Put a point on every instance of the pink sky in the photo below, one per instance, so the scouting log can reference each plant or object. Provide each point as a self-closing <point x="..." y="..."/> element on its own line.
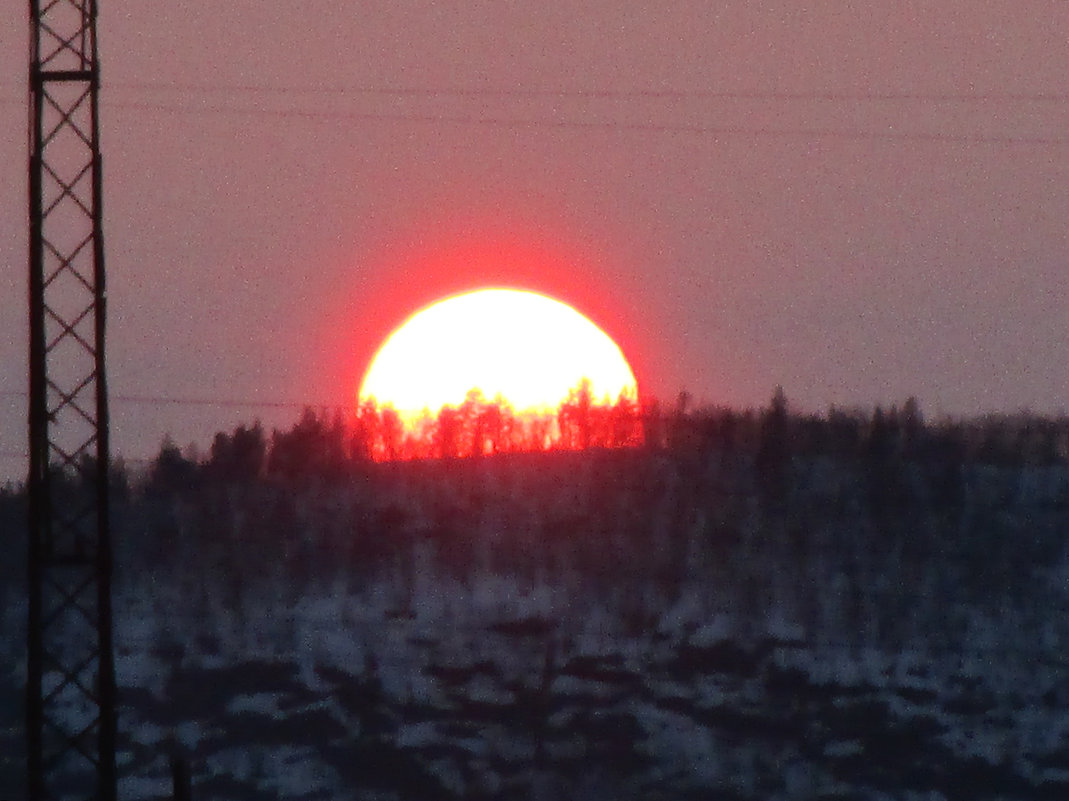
<point x="860" y="201"/>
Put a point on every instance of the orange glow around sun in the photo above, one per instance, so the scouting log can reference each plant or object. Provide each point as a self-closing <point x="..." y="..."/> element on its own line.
<point x="518" y="350"/>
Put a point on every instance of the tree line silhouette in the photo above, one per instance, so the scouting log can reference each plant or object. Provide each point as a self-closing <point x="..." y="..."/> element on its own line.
<point x="329" y="444"/>
<point x="865" y="522"/>
<point x="332" y="445"/>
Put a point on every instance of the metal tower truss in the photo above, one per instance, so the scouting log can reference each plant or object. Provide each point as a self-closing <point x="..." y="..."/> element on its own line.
<point x="70" y="712"/>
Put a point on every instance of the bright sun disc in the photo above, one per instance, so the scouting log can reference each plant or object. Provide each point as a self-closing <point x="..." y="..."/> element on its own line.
<point x="525" y="348"/>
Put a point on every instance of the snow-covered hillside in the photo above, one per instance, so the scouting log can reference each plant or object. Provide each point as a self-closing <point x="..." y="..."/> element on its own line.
<point x="688" y="623"/>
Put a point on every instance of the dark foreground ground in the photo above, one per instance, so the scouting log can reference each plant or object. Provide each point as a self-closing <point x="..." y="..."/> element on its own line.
<point x="589" y="626"/>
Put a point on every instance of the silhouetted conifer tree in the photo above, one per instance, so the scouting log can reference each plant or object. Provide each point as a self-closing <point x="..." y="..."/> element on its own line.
<point x="886" y="488"/>
<point x="947" y="457"/>
<point x="492" y="426"/>
<point x="652" y="424"/>
<point x="447" y="433"/>
<point x="240" y="456"/>
<point x="575" y="419"/>
<point x="912" y="427"/>
<point x="171" y="471"/>
<point x="391" y="433"/>
<point x="313" y="447"/>
<point x="774" y="450"/>
<point x="625" y="424"/>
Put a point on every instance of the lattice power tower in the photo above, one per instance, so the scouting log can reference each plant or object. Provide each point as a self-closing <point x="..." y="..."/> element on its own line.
<point x="70" y="715"/>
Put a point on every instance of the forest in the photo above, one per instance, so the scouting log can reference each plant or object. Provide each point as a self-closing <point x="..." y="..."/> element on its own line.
<point x="658" y="602"/>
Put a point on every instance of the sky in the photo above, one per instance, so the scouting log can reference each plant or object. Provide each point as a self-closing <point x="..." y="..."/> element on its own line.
<point x="859" y="201"/>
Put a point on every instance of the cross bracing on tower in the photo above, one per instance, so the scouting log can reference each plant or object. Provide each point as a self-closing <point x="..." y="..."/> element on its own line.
<point x="70" y="696"/>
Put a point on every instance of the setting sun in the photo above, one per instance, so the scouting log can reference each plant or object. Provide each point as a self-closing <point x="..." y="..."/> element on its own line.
<point x="522" y="347"/>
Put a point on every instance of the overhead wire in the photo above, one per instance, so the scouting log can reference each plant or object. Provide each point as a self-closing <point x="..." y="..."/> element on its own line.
<point x="613" y="125"/>
<point x="670" y="93"/>
<point x="167" y="400"/>
<point x="598" y="93"/>
<point x="555" y="122"/>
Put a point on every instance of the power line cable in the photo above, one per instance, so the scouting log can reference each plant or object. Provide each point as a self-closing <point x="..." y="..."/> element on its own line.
<point x="599" y="93"/>
<point x="627" y="127"/>
<point x="670" y="93"/>
<point x="610" y="125"/>
<point x="163" y="400"/>
<point x="153" y="400"/>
